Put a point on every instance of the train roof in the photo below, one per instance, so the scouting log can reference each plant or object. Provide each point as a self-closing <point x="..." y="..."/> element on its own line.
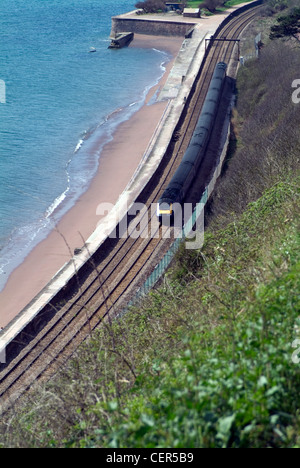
<point x="222" y="65"/>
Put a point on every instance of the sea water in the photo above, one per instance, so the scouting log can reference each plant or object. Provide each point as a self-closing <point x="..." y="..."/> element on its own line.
<point x="59" y="99"/>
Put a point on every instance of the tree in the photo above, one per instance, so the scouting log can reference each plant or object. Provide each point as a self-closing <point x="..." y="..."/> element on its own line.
<point x="289" y="26"/>
<point x="211" y="5"/>
<point x="151" y="6"/>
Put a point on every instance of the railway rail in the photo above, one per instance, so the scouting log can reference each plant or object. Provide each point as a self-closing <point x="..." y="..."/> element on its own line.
<point x="114" y="277"/>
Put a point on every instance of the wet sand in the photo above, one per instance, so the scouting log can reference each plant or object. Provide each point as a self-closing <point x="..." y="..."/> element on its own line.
<point x="118" y="162"/>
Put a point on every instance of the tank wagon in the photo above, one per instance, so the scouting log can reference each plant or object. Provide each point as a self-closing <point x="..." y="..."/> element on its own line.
<point x="185" y="174"/>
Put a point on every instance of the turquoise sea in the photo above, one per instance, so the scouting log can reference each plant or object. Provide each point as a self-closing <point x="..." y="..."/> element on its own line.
<point x="59" y="98"/>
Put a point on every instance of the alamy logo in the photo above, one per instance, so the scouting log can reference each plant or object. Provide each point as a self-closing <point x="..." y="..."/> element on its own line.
<point x="2" y="92"/>
<point x="296" y="343"/>
<point x="138" y="223"/>
<point x="296" y="94"/>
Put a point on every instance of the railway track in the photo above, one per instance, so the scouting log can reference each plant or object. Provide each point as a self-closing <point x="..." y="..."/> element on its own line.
<point x="114" y="277"/>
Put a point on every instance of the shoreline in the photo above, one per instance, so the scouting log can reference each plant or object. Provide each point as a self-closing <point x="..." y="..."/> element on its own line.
<point x="113" y="174"/>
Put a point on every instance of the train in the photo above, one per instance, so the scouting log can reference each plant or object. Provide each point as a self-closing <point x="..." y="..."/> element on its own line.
<point x="177" y="189"/>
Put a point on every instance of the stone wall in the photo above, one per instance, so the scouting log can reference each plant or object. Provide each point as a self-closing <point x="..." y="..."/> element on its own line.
<point x="149" y="27"/>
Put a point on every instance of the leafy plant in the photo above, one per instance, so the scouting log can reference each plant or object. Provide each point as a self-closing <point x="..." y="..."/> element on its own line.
<point x="288" y="26"/>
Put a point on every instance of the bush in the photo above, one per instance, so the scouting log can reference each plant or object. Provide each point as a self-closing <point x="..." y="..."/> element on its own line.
<point x="212" y="5"/>
<point x="266" y="130"/>
<point x="288" y="26"/>
<point x="234" y="383"/>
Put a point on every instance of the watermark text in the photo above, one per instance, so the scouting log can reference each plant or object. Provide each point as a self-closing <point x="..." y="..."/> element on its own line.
<point x="296" y="93"/>
<point x="296" y="343"/>
<point x="296" y="353"/>
<point x="138" y="221"/>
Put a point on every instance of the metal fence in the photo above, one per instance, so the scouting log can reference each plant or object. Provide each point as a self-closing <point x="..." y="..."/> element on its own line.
<point x="251" y="49"/>
<point x="164" y="264"/>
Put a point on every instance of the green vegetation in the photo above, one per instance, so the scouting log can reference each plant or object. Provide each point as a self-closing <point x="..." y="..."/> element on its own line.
<point x="212" y="6"/>
<point x="232" y="3"/>
<point x="215" y="6"/>
<point x="207" y="359"/>
<point x="233" y="383"/>
<point x="193" y="4"/>
<point x="218" y="3"/>
<point x="288" y="26"/>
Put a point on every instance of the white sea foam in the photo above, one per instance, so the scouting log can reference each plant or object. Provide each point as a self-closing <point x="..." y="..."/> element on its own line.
<point x="56" y="203"/>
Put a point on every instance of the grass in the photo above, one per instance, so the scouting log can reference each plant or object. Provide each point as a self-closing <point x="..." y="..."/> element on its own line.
<point x="230" y="380"/>
<point x="205" y="361"/>
<point x="230" y="3"/>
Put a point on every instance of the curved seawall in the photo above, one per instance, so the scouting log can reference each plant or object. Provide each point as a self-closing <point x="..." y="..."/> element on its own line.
<point x="152" y="27"/>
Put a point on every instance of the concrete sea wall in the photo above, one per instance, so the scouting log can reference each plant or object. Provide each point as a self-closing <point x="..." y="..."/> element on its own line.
<point x="150" y="27"/>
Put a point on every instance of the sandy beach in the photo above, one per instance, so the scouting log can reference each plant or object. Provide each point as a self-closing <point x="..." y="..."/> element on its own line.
<point x="118" y="162"/>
